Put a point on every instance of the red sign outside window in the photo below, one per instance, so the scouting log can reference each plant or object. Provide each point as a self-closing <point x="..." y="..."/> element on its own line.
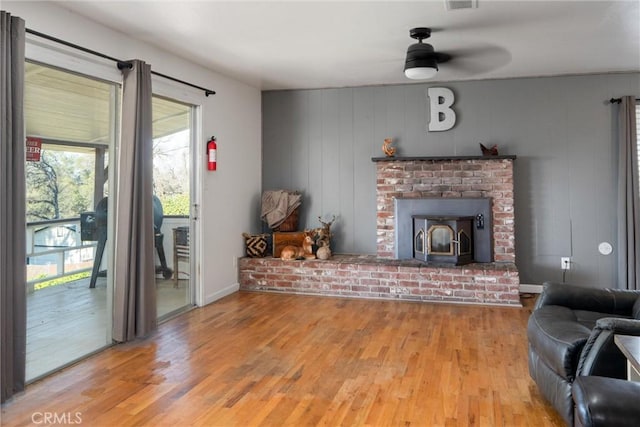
<point x="33" y="148"/>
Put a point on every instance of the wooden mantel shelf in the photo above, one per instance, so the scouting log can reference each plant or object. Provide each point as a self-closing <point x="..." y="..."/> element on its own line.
<point x="440" y="158"/>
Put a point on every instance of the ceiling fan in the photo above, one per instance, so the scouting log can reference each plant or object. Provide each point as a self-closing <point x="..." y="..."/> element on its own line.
<point x="422" y="60"/>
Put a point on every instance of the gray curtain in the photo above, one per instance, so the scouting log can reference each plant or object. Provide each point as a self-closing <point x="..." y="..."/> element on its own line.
<point x="12" y="206"/>
<point x="628" y="197"/>
<point x="134" y="305"/>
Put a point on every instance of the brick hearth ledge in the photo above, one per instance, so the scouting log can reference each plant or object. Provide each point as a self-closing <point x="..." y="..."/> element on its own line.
<point x="366" y="276"/>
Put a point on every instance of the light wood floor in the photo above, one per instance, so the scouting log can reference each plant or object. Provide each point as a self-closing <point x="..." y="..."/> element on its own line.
<point x="267" y="359"/>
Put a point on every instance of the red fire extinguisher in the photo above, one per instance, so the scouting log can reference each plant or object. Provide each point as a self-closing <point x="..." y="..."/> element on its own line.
<point x="211" y="154"/>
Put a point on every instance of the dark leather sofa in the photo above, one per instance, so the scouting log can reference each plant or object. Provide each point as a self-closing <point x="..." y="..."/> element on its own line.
<point x="571" y="333"/>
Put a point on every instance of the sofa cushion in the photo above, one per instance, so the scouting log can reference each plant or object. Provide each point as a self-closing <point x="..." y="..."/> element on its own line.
<point x="558" y="338"/>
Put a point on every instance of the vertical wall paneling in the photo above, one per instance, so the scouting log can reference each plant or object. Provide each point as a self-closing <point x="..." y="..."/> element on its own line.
<point x="586" y="143"/>
<point x="416" y="115"/>
<point x="395" y="106"/>
<point x="314" y="189"/>
<point x="560" y="129"/>
<point x="299" y="148"/>
<point x="364" y="182"/>
<point x="330" y="172"/>
<point x="344" y="230"/>
<point x="277" y="141"/>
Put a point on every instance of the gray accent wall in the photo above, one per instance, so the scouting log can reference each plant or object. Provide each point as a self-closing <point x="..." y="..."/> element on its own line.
<point x="560" y="128"/>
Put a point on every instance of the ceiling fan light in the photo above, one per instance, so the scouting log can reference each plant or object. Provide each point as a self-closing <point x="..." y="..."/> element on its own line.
<point x="421" y="62"/>
<point x="420" y="73"/>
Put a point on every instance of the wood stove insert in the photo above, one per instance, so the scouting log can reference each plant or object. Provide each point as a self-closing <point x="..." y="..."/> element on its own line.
<point x="443" y="239"/>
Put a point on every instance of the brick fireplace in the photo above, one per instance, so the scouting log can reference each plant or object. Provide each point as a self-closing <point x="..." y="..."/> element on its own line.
<point x="414" y="178"/>
<point x="389" y="275"/>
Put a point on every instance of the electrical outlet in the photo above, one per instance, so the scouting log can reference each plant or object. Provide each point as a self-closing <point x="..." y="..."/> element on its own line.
<point x="565" y="263"/>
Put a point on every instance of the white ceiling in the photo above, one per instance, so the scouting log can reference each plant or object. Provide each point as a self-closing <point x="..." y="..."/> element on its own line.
<point x="302" y="44"/>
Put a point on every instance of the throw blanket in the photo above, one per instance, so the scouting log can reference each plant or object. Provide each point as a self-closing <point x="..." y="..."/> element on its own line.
<point x="278" y="205"/>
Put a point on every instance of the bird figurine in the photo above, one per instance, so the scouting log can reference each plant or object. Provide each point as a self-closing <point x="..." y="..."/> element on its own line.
<point x="491" y="151"/>
<point x="387" y="148"/>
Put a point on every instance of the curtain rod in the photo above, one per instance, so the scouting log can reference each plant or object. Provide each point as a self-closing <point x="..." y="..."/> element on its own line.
<point x="618" y="100"/>
<point x="121" y="64"/>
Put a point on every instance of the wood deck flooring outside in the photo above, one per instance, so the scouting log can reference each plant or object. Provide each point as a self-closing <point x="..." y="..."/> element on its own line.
<point x="267" y="359"/>
<point x="68" y="321"/>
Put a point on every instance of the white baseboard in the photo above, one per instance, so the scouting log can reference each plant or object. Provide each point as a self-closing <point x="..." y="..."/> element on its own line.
<point x="208" y="299"/>
<point x="530" y="289"/>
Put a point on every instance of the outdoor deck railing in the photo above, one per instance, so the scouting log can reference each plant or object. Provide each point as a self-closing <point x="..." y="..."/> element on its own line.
<point x="55" y="248"/>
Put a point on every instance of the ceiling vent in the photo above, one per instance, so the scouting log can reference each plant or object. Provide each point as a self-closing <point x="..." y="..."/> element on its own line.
<point x="461" y="4"/>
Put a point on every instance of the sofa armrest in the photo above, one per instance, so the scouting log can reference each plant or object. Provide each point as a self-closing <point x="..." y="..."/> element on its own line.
<point x="605" y="402"/>
<point x="612" y="301"/>
<point x="600" y="355"/>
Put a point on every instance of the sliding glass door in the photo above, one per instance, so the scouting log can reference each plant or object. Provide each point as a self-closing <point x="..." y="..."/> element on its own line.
<point x="70" y="124"/>
<point x="173" y="132"/>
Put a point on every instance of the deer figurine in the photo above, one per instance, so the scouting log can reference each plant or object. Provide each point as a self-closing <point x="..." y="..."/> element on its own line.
<point x="323" y="238"/>
<point x="291" y="252"/>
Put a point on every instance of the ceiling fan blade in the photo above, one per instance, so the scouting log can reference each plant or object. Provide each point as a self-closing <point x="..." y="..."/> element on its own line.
<point x="477" y="60"/>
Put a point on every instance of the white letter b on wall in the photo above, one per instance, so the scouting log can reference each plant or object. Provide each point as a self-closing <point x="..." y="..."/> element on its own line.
<point x="442" y="115"/>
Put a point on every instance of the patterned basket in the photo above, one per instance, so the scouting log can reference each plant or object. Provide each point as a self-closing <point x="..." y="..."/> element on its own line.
<point x="290" y="223"/>
<point x="256" y="245"/>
